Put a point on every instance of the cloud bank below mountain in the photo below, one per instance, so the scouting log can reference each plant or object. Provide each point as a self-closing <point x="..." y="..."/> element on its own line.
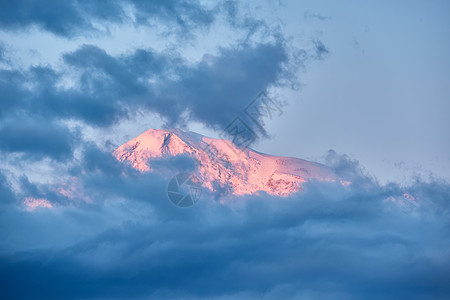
<point x="128" y="240"/>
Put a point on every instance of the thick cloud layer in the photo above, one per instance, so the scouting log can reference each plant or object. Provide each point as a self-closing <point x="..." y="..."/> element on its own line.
<point x="128" y="241"/>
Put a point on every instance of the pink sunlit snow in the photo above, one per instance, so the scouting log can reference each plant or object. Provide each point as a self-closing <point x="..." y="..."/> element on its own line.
<point x="222" y="165"/>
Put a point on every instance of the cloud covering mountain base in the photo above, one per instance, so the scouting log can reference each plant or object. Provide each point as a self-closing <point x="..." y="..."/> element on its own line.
<point x="129" y="241"/>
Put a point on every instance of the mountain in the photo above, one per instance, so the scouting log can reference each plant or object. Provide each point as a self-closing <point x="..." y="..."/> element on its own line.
<point x="221" y="166"/>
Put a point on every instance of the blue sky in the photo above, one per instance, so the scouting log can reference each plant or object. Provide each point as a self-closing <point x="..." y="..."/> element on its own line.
<point x="363" y="87"/>
<point x="381" y="94"/>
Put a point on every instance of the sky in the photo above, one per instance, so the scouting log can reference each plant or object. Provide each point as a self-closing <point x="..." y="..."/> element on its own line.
<point x="381" y="94"/>
<point x="362" y="86"/>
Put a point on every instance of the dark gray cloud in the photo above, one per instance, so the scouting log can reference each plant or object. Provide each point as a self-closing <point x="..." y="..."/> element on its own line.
<point x="212" y="92"/>
<point x="220" y="87"/>
<point x="71" y="18"/>
<point x="36" y="139"/>
<point x="320" y="49"/>
<point x="2" y="52"/>
<point x="181" y="163"/>
<point x="6" y="193"/>
<point x="185" y="14"/>
<point x="61" y="18"/>
<point x="110" y="88"/>
<point x="131" y="242"/>
<point x="12" y="93"/>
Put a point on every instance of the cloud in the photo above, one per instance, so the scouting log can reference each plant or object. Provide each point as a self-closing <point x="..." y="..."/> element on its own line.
<point x="2" y="52"/>
<point x="12" y="95"/>
<point x="36" y="139"/>
<point x="61" y="18"/>
<point x="111" y="88"/>
<point x="220" y="87"/>
<point x="6" y="193"/>
<point x="73" y="18"/>
<point x="96" y="89"/>
<point x="131" y="242"/>
<point x="311" y="15"/>
<point x="182" y="13"/>
<point x="212" y="92"/>
<point x="320" y="49"/>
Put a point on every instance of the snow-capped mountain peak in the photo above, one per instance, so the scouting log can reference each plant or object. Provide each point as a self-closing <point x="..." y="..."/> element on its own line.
<point x="223" y="166"/>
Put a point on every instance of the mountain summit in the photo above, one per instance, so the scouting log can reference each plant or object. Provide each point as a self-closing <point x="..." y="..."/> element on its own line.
<point x="221" y="165"/>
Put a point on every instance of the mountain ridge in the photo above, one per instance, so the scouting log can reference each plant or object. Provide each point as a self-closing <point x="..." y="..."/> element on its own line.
<point x="222" y="165"/>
